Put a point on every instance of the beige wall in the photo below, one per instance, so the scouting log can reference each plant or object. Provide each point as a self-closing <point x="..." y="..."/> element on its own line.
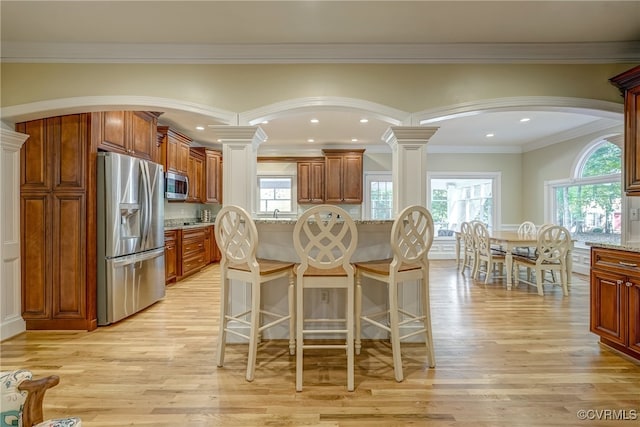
<point x="238" y="88"/>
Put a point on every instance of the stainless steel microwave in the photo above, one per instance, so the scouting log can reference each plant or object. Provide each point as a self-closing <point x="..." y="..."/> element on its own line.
<point x="176" y="186"/>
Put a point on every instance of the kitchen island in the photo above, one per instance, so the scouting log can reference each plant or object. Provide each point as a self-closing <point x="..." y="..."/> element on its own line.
<point x="275" y="241"/>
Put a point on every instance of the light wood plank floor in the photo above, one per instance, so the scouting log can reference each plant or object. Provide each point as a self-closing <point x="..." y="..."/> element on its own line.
<point x="504" y="358"/>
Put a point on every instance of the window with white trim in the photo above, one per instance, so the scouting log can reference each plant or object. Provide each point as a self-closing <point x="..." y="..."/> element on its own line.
<point x="378" y="200"/>
<point x="454" y="198"/>
<point x="589" y="204"/>
<point x="275" y="192"/>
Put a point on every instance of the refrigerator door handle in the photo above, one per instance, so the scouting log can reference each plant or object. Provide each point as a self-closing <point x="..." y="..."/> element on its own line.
<point x="144" y="169"/>
<point x="131" y="259"/>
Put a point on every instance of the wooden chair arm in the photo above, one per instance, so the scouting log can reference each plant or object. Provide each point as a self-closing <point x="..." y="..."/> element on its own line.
<point x="32" y="413"/>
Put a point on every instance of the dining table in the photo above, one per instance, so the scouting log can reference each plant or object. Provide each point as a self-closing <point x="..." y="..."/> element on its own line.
<point x="510" y="240"/>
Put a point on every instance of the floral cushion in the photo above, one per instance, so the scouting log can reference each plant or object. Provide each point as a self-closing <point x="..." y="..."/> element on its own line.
<point x="12" y="402"/>
<point x="61" y="422"/>
<point x="12" y="399"/>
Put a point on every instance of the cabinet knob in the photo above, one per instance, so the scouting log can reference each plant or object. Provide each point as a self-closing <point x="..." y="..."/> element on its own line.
<point x="629" y="284"/>
<point x="619" y="282"/>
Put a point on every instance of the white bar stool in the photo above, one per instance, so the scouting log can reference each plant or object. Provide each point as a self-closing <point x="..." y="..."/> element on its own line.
<point x="237" y="237"/>
<point x="325" y="238"/>
<point x="411" y="239"/>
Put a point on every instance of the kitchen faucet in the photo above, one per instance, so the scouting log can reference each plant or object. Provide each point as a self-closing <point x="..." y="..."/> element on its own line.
<point x="275" y="213"/>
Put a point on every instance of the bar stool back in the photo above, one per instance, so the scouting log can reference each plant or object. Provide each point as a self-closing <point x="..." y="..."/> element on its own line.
<point x="237" y="238"/>
<point x="325" y="238"/>
<point x="411" y="239"/>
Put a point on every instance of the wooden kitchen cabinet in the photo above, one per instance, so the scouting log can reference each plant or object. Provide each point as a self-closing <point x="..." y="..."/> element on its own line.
<point x="128" y="132"/>
<point x="343" y="176"/>
<point x="213" y="176"/>
<point x="193" y="250"/>
<point x="174" y="150"/>
<point x="170" y="255"/>
<point x="57" y="290"/>
<point x="615" y="299"/>
<point x="195" y="173"/>
<point x="629" y="84"/>
<point x="311" y="182"/>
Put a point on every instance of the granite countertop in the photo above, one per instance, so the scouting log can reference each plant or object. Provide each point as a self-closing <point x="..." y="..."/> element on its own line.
<point x="292" y="221"/>
<point x="186" y="225"/>
<point x="614" y="246"/>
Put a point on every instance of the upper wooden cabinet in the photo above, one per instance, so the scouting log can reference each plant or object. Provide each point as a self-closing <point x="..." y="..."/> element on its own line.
<point x="128" y="132"/>
<point x="213" y="176"/>
<point x="195" y="173"/>
<point x="311" y="181"/>
<point x="343" y="176"/>
<point x="174" y="150"/>
<point x="629" y="84"/>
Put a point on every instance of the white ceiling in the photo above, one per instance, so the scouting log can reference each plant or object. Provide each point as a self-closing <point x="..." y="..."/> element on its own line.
<point x="341" y="31"/>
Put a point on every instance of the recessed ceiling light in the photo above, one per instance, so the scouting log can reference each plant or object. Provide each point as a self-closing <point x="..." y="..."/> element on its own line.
<point x="524" y="119"/>
<point x="314" y="121"/>
<point x="310" y="140"/>
<point x="200" y="127"/>
<point x="490" y="135"/>
<point x="219" y="140"/>
<point x="354" y="139"/>
<point x="364" y="120"/>
<point x="264" y="122"/>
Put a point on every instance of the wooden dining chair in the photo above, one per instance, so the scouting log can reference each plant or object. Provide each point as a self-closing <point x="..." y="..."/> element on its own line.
<point x="553" y="244"/>
<point x="411" y="240"/>
<point x="237" y="238"/>
<point x="487" y="257"/>
<point x="468" y="251"/>
<point x="325" y="238"/>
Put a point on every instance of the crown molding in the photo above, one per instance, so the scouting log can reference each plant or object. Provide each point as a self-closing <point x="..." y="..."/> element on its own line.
<point x="409" y="53"/>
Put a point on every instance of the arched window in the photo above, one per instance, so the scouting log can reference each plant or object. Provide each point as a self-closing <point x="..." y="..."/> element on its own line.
<point x="589" y="205"/>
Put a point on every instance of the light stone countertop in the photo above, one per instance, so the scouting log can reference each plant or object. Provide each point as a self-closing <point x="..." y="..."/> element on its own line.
<point x="614" y="246"/>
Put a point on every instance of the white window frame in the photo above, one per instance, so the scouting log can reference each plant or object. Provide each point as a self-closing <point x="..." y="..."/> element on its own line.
<point x="496" y="191"/>
<point x="294" y="195"/>
<point x="370" y="177"/>
<point x="550" y="186"/>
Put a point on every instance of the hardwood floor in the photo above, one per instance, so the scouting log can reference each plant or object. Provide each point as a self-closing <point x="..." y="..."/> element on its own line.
<point x="504" y="358"/>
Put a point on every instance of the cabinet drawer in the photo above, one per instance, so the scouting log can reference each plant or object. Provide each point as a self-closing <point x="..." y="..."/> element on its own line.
<point x="192" y="263"/>
<point x="622" y="262"/>
<point x="192" y="246"/>
<point x="194" y="233"/>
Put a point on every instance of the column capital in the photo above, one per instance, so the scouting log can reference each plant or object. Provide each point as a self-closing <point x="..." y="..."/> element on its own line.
<point x="395" y="135"/>
<point x="240" y="134"/>
<point x="11" y="139"/>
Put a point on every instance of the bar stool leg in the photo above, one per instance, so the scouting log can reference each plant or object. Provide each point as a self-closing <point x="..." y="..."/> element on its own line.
<point x="255" y="327"/>
<point x="224" y="307"/>
<point x="292" y="314"/>
<point x="358" y="312"/>
<point x="299" y="334"/>
<point x="350" y="350"/>
<point x="395" y="328"/>
<point x="426" y="312"/>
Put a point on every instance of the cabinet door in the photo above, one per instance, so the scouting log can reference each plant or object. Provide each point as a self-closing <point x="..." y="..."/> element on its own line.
<point x="207" y="245"/>
<point x="69" y="256"/>
<point x="215" y="250"/>
<point x="634" y="314"/>
<point x="143" y="135"/>
<point x="35" y="156"/>
<point x="609" y="306"/>
<point x="333" y="179"/>
<point x="213" y="181"/>
<point x="632" y="141"/>
<point x="170" y="256"/>
<point x="182" y="157"/>
<point x="71" y="137"/>
<point x="304" y="182"/>
<point x="113" y="131"/>
<point x="35" y="252"/>
<point x="352" y="179"/>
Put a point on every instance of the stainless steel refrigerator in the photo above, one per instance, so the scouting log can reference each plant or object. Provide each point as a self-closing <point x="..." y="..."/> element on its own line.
<point x="130" y="236"/>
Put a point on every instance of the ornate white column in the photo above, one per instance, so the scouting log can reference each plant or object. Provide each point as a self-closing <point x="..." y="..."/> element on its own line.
<point x="409" y="176"/>
<point x="240" y="160"/>
<point x="11" y="321"/>
<point x="409" y="164"/>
